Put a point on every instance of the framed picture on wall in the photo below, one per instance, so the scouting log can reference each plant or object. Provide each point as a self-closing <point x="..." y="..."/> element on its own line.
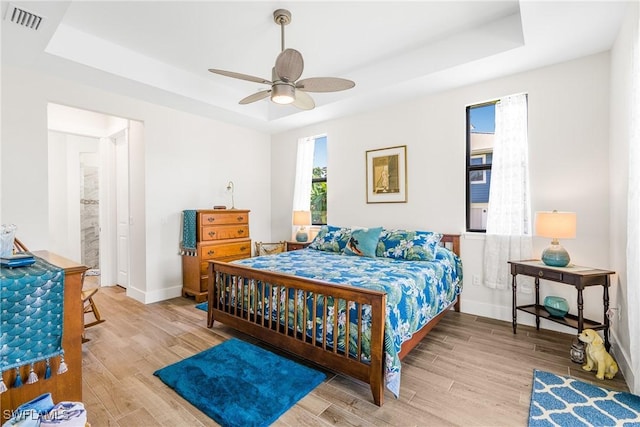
<point x="387" y="175"/>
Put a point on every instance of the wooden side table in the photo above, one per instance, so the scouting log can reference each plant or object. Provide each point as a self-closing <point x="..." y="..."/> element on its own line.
<point x="577" y="276"/>
<point x="294" y="246"/>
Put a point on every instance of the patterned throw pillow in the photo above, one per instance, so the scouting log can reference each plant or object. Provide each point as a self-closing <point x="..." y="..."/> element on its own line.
<point x="363" y="242"/>
<point x="409" y="245"/>
<point x="331" y="239"/>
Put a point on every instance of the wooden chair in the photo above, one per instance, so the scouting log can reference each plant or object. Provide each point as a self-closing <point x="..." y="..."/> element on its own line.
<point x="89" y="305"/>
<point x="263" y="248"/>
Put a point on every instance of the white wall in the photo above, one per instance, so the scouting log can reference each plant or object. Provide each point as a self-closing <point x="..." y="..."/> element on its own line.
<point x="620" y="113"/>
<point x="568" y="137"/>
<point x="185" y="162"/>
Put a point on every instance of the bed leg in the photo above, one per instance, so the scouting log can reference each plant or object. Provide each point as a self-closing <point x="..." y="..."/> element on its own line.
<point x="378" y="393"/>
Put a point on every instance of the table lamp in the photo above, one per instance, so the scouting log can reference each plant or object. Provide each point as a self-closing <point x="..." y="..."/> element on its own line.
<point x="556" y="225"/>
<point x="230" y="188"/>
<point x="302" y="218"/>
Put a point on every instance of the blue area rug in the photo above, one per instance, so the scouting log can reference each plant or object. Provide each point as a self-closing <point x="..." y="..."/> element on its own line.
<point x="563" y="401"/>
<point x="240" y="384"/>
<point x="203" y="306"/>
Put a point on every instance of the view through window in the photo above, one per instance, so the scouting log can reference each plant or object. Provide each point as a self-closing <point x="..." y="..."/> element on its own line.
<point x="319" y="182"/>
<point x="480" y="133"/>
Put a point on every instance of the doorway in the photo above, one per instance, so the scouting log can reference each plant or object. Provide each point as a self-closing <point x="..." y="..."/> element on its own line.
<point x="89" y="191"/>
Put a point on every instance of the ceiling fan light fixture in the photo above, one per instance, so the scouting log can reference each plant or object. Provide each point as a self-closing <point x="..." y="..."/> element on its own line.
<point x="283" y="93"/>
<point x="285" y="86"/>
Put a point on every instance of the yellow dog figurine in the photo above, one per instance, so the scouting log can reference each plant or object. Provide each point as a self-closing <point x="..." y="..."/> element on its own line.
<point x="597" y="356"/>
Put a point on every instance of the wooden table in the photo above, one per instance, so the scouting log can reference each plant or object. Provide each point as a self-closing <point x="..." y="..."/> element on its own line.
<point x="67" y="386"/>
<point x="573" y="275"/>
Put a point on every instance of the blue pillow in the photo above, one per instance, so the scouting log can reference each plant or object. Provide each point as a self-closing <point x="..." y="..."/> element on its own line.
<point x="331" y="239"/>
<point x="363" y="242"/>
<point x="409" y="245"/>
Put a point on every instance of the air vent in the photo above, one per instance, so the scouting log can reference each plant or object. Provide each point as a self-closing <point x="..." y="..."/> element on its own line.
<point x="23" y="17"/>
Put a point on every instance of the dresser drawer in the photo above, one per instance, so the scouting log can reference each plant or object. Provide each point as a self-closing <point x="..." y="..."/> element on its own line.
<point x="224" y="250"/>
<point x="204" y="266"/>
<point x="223" y="217"/>
<point x="219" y="232"/>
<point x="542" y="273"/>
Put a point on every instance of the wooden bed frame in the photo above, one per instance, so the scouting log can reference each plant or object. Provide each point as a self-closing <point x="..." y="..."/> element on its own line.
<point x="227" y="282"/>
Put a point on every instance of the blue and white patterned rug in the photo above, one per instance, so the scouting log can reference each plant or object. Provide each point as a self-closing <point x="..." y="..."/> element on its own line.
<point x="563" y="401"/>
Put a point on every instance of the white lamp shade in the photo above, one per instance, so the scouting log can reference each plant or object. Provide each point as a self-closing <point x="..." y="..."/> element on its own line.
<point x="556" y="225"/>
<point x="283" y="93"/>
<point x="301" y="217"/>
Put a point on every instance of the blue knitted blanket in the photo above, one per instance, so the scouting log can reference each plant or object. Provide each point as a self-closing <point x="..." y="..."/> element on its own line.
<point x="31" y="320"/>
<point x="188" y="241"/>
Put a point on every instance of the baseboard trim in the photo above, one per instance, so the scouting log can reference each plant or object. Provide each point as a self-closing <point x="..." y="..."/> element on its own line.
<point x="623" y="360"/>
<point x="154" y="296"/>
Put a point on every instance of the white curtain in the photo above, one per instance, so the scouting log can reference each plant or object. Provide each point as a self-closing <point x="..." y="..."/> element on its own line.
<point x="633" y="217"/>
<point x="304" y="174"/>
<point x="508" y="234"/>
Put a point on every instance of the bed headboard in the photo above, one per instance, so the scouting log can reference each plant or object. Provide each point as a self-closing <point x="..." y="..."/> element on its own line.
<point x="451" y="242"/>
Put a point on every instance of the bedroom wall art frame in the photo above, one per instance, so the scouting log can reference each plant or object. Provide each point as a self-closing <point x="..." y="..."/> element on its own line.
<point x="387" y="175"/>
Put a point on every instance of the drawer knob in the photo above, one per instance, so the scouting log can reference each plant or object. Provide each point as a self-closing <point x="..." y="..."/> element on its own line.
<point x="211" y="219"/>
<point x="243" y="248"/>
<point x="240" y="231"/>
<point x="540" y="273"/>
<point x="211" y="252"/>
<point x="240" y="218"/>
<point x="212" y="233"/>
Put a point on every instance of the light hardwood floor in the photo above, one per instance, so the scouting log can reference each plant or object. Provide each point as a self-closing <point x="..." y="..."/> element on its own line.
<point x="469" y="371"/>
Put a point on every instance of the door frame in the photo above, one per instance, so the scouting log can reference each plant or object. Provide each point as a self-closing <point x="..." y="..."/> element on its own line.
<point x="108" y="209"/>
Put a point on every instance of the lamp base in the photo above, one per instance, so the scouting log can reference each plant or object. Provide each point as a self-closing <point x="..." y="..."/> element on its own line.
<point x="555" y="256"/>
<point x="302" y="236"/>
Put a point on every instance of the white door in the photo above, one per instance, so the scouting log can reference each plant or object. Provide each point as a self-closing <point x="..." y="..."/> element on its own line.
<point x="122" y="209"/>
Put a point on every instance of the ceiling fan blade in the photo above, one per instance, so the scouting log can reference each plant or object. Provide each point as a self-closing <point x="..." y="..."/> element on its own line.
<point x="303" y="101"/>
<point x="240" y="76"/>
<point x="324" y="84"/>
<point x="255" y="97"/>
<point x="289" y="65"/>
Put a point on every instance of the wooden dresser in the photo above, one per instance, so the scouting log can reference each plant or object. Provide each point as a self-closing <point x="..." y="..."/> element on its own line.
<point x="221" y="235"/>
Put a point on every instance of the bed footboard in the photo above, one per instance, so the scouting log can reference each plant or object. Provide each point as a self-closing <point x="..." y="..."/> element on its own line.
<point x="276" y="308"/>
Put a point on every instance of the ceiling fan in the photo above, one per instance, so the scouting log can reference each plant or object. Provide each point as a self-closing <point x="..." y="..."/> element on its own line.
<point x="285" y="86"/>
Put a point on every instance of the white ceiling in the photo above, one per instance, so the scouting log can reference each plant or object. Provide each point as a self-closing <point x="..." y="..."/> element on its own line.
<point x="160" y="51"/>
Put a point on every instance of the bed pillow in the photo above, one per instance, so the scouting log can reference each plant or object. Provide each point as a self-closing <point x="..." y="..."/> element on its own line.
<point x="331" y="239"/>
<point x="363" y="242"/>
<point x="408" y="244"/>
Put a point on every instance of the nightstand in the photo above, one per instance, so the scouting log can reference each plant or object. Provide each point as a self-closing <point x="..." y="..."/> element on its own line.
<point x="577" y="276"/>
<point x="294" y="246"/>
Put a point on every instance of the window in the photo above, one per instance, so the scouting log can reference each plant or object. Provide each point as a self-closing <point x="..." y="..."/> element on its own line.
<point x="480" y="134"/>
<point x="319" y="182"/>
<point x="478" y="176"/>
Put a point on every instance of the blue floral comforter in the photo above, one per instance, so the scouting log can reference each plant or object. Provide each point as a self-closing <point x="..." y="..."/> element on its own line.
<point x="417" y="291"/>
